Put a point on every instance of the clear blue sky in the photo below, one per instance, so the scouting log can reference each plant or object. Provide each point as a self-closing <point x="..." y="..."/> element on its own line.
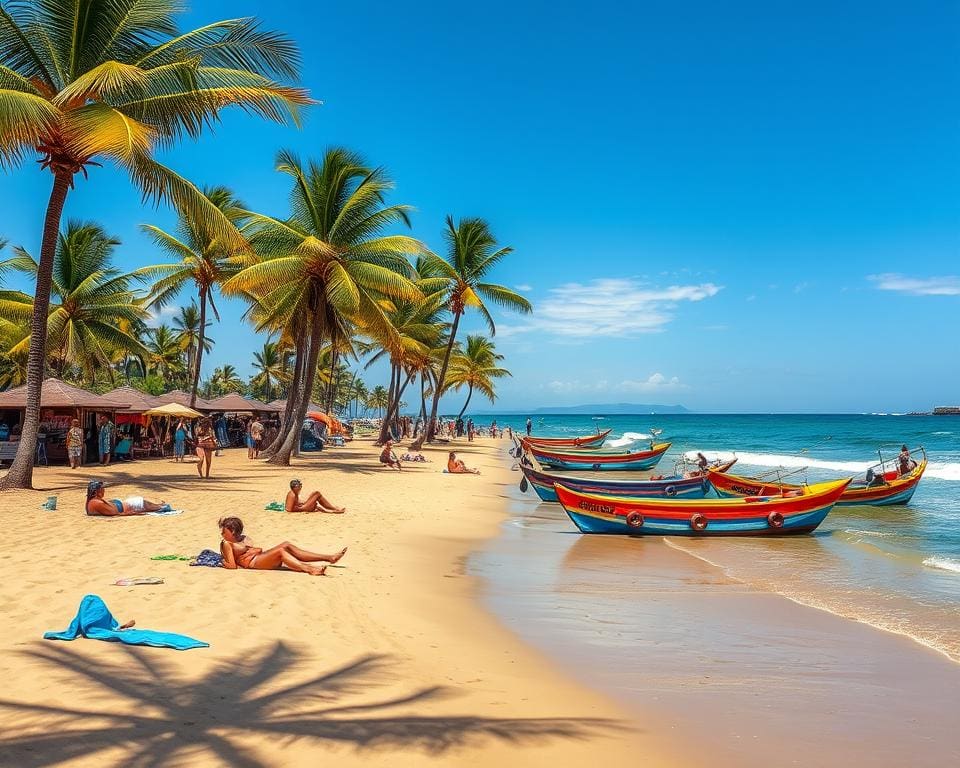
<point x="744" y="206"/>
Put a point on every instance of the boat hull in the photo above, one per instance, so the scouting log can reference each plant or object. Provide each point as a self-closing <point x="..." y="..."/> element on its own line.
<point x="599" y="460"/>
<point x="898" y="490"/>
<point x="673" y="487"/>
<point x="752" y="516"/>
<point x="587" y="441"/>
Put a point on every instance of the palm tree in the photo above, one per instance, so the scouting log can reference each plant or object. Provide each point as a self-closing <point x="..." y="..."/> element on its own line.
<point x="226" y="380"/>
<point x="471" y="253"/>
<point x="82" y="82"/>
<point x="476" y="368"/>
<point x="269" y="364"/>
<point x="326" y="268"/>
<point x="164" y="354"/>
<point x="95" y="317"/>
<point x="204" y="259"/>
<point x="191" y="335"/>
<point x="378" y="398"/>
<point x="360" y="394"/>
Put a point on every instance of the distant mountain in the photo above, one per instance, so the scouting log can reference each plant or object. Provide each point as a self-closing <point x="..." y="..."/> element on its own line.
<point x="603" y="409"/>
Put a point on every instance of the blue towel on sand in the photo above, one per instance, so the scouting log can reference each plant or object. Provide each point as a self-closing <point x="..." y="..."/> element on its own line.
<point x="95" y="621"/>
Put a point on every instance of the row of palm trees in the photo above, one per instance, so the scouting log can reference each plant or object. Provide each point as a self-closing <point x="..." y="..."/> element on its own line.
<point x="85" y="82"/>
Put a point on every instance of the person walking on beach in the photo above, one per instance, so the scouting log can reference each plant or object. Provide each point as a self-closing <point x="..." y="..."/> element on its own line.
<point x="74" y="443"/>
<point x="256" y="437"/>
<point x="238" y="551"/>
<point x="206" y="443"/>
<point x="315" y="502"/>
<point x="105" y="439"/>
<point x="529" y="426"/>
<point x="179" y="440"/>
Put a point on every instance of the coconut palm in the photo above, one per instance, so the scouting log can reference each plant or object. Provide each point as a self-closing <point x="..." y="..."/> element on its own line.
<point x="191" y="335"/>
<point x="378" y="398"/>
<point x="88" y="81"/>
<point x="164" y="355"/>
<point x="269" y="364"/>
<point x="95" y="317"/>
<point x="225" y="380"/>
<point x="475" y="368"/>
<point x="204" y="259"/>
<point x="472" y="253"/>
<point x="327" y="267"/>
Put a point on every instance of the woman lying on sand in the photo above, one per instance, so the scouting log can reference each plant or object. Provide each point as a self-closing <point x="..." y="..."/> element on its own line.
<point x="315" y="502"/>
<point x="133" y="505"/>
<point x="457" y="467"/>
<point x="239" y="552"/>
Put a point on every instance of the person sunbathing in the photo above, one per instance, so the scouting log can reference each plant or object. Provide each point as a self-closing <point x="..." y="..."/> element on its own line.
<point x="388" y="457"/>
<point x="456" y="467"/>
<point x="239" y="551"/>
<point x="315" y="502"/>
<point x="132" y="505"/>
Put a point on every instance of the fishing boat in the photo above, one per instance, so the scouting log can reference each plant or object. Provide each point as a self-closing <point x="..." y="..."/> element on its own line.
<point x="598" y="458"/>
<point x="881" y="487"/>
<point x="584" y="441"/>
<point x="676" y="486"/>
<point x="790" y="513"/>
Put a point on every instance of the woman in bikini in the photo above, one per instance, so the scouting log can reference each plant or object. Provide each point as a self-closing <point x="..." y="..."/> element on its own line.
<point x="133" y="505"/>
<point x="315" y="502"/>
<point x="456" y="467"/>
<point x="206" y="444"/>
<point x="238" y="551"/>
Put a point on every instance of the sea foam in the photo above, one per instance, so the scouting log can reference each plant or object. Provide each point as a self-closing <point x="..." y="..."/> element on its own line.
<point x="943" y="563"/>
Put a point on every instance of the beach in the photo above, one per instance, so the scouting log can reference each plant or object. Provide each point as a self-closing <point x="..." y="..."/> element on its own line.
<point x="388" y="660"/>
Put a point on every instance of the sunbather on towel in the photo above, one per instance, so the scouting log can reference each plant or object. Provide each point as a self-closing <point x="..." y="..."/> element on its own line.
<point x="240" y="552"/>
<point x="132" y="505"/>
<point x="456" y="466"/>
<point x="315" y="502"/>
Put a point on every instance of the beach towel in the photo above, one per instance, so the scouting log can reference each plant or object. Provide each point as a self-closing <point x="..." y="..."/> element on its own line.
<point x="169" y="557"/>
<point x="94" y="621"/>
<point x="275" y="506"/>
<point x="163" y="512"/>
<point x="136" y="580"/>
<point x="208" y="558"/>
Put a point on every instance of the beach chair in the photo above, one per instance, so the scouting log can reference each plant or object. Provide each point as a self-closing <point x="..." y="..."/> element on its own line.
<point x="122" y="449"/>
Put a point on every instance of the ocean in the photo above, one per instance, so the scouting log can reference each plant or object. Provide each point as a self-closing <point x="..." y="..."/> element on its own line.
<point x="601" y="599"/>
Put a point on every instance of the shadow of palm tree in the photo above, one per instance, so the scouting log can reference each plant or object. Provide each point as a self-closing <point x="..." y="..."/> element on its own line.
<point x="171" y="716"/>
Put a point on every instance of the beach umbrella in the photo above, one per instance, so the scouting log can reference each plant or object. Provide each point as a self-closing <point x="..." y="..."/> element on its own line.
<point x="175" y="410"/>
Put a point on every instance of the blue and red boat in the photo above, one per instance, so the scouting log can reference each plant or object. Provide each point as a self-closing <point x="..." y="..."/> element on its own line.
<point x="676" y="486"/>
<point x="584" y="441"/>
<point x="793" y="512"/>
<point x="596" y="459"/>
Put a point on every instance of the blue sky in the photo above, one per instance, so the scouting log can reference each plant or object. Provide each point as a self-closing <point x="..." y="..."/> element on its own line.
<point x="746" y="206"/>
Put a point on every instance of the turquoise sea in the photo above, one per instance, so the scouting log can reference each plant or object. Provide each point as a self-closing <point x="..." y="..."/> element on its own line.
<point x="897" y="568"/>
<point x="609" y="602"/>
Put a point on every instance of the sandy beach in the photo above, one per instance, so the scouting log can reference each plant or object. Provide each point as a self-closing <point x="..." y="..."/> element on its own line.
<point x="389" y="660"/>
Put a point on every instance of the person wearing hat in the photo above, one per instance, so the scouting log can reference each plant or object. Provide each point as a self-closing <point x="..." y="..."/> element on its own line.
<point x="315" y="502"/>
<point x="132" y="505"/>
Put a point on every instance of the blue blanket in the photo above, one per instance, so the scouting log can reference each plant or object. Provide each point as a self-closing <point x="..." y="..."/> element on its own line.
<point x="95" y="621"/>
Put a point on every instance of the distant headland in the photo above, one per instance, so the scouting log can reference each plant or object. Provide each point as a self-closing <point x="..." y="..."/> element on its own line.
<point x="612" y="408"/>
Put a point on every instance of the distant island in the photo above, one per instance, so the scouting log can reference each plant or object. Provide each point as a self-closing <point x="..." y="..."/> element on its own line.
<point x="612" y="408"/>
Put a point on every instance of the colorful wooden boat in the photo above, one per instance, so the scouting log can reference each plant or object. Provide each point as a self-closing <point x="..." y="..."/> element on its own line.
<point x="891" y="489"/>
<point x="795" y="512"/>
<point x="586" y="441"/>
<point x="597" y="459"/>
<point x="670" y="487"/>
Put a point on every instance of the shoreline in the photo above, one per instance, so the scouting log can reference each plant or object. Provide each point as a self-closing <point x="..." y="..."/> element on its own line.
<point x="392" y="660"/>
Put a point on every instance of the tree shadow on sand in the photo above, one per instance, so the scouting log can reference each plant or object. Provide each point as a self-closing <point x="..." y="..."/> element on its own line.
<point x="170" y="716"/>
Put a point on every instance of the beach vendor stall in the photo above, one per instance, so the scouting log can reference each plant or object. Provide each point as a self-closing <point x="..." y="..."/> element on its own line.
<point x="60" y="404"/>
<point x="167" y="413"/>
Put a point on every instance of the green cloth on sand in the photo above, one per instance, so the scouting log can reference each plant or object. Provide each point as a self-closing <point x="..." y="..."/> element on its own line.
<point x="275" y="506"/>
<point x="169" y="557"/>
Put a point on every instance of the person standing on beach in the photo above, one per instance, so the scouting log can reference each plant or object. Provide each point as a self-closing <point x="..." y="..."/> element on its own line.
<point x="529" y="426"/>
<point x="74" y="444"/>
<point x="206" y="443"/>
<point x="179" y="440"/>
<point x="256" y="437"/>
<point x="105" y="439"/>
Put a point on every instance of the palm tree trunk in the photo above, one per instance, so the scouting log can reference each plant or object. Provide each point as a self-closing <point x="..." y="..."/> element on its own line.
<point x="385" y="423"/>
<point x="441" y="377"/>
<point x="198" y="358"/>
<point x="298" y="363"/>
<point x="464" y="409"/>
<point x="292" y="440"/>
<point x="20" y="474"/>
<point x="328" y="399"/>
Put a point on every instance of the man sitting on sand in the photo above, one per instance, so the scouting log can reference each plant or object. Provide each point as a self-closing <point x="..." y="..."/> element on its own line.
<point x="457" y="467"/>
<point x="388" y="457"/>
<point x="315" y="502"/>
<point x="133" y="505"/>
<point x="238" y="551"/>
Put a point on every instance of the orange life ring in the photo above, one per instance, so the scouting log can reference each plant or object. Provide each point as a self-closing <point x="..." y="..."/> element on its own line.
<point x="775" y="519"/>
<point x="698" y="522"/>
<point x="634" y="519"/>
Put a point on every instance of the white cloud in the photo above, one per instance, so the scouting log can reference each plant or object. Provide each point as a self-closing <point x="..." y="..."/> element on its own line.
<point x="523" y="287"/>
<point x="158" y="315"/>
<point x="615" y="307"/>
<point x="800" y="287"/>
<point x="656" y="382"/>
<point x="949" y="285"/>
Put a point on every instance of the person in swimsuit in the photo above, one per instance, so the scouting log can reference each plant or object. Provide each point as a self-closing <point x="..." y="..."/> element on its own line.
<point x="315" y="502"/>
<point x="206" y="443"/>
<point x="133" y="505"/>
<point x="905" y="464"/>
<point x="456" y="467"/>
<point x="388" y="457"/>
<point x="238" y="551"/>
